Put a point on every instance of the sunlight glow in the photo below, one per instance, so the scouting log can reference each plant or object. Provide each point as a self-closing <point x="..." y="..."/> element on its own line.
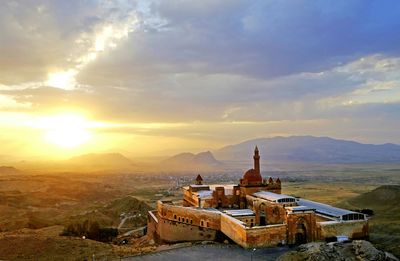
<point x="62" y="80"/>
<point x="66" y="131"/>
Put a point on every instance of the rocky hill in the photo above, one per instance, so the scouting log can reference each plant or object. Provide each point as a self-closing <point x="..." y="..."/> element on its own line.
<point x="355" y="250"/>
<point x="203" y="161"/>
<point x="102" y="161"/>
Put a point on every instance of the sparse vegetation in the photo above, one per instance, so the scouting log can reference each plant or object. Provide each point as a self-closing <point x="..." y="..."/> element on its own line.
<point x="91" y="230"/>
<point x="99" y="202"/>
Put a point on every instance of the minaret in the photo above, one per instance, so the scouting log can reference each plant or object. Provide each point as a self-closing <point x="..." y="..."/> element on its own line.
<point x="199" y="180"/>
<point x="256" y="158"/>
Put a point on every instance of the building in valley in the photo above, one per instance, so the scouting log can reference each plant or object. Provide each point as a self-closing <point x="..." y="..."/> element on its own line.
<point x="252" y="213"/>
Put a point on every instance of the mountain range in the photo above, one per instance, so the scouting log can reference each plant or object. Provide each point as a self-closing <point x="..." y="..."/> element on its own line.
<point x="311" y="149"/>
<point x="278" y="150"/>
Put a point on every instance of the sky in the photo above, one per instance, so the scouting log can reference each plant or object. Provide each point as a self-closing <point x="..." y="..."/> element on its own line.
<point x="151" y="78"/>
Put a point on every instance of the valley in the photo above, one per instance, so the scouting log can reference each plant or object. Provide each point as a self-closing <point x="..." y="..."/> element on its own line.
<point x="41" y="205"/>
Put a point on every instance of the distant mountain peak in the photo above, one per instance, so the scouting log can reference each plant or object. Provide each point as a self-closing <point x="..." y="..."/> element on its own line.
<point x="101" y="160"/>
<point x="312" y="149"/>
<point x="9" y="170"/>
<point x="100" y="156"/>
<point x="189" y="161"/>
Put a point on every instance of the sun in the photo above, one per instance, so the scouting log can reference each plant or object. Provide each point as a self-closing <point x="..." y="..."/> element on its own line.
<point x="66" y="131"/>
<point x="62" y="79"/>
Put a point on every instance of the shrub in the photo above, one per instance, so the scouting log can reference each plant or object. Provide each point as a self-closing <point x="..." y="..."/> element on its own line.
<point x="91" y="230"/>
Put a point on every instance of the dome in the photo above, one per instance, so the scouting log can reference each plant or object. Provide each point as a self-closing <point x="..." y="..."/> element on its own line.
<point x="252" y="176"/>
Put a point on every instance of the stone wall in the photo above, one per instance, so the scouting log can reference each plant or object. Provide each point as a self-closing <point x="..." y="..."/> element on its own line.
<point x="304" y="223"/>
<point x="274" y="212"/>
<point x="234" y="229"/>
<point x="252" y="237"/>
<point x="152" y="225"/>
<point x="351" y="229"/>
<point x="270" y="235"/>
<point x="248" y="220"/>
<point x="177" y="223"/>
<point x="172" y="232"/>
<point x="189" y="215"/>
<point x="189" y="200"/>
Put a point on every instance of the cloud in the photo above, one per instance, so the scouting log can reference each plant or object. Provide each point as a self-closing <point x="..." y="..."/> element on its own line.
<point x="261" y="39"/>
<point x="215" y="68"/>
<point x="38" y="45"/>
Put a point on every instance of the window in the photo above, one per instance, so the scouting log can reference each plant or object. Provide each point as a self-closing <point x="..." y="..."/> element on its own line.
<point x="179" y="218"/>
<point x="208" y="225"/>
<point x="187" y="220"/>
<point x="202" y="223"/>
<point x="174" y="216"/>
<point x="191" y="221"/>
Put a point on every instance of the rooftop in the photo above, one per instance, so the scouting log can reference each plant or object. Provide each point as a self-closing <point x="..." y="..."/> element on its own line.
<point x="272" y="196"/>
<point x="197" y="186"/>
<point x="204" y="193"/>
<point x="239" y="212"/>
<point x="325" y="209"/>
<point x="300" y="208"/>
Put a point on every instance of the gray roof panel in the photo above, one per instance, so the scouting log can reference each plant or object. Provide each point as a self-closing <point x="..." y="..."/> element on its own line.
<point x="271" y="196"/>
<point x="324" y="208"/>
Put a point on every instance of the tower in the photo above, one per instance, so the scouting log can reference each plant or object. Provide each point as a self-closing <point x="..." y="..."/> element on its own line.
<point x="199" y="180"/>
<point x="256" y="158"/>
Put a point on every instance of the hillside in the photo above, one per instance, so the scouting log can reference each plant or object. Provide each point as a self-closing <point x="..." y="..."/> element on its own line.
<point x="311" y="149"/>
<point x="383" y="199"/>
<point x="203" y="161"/>
<point x="47" y="244"/>
<point x="8" y="170"/>
<point x="110" y="215"/>
<point x="385" y="223"/>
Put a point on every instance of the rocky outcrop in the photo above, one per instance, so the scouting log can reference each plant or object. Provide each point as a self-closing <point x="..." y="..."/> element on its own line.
<point x="346" y="251"/>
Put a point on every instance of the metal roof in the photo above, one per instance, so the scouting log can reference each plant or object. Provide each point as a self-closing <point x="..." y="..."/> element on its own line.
<point x="198" y="186"/>
<point x="325" y="209"/>
<point x="239" y="212"/>
<point x="271" y="196"/>
<point x="204" y="193"/>
<point x="300" y="208"/>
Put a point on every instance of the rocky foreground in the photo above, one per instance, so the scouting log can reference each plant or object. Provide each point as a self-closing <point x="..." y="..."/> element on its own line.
<point x="346" y="251"/>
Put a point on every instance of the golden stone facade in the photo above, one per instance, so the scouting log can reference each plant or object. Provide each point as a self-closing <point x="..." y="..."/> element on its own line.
<point x="253" y="213"/>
